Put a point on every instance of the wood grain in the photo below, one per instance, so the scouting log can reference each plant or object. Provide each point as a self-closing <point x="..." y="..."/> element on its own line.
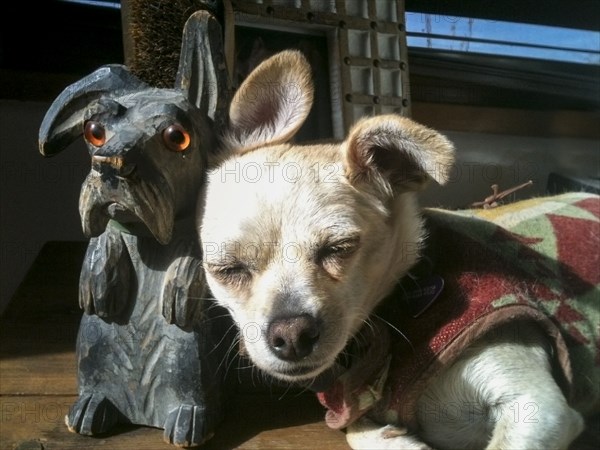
<point x="253" y="422"/>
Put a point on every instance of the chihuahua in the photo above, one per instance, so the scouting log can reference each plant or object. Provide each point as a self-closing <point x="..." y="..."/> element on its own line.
<point x="303" y="244"/>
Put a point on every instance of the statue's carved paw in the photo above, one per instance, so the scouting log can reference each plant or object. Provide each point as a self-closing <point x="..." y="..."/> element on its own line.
<point x="188" y="426"/>
<point x="106" y="276"/>
<point x="92" y="414"/>
<point x="184" y="290"/>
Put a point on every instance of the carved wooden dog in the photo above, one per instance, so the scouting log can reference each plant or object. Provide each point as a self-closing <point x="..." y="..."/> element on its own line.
<point x="146" y="345"/>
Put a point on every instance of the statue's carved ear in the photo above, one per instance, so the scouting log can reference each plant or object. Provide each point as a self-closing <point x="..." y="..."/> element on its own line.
<point x="272" y="103"/>
<point x="202" y="73"/>
<point x="62" y="123"/>
<point x="395" y="151"/>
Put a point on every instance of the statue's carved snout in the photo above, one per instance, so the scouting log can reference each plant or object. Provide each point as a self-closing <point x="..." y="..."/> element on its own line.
<point x="123" y="168"/>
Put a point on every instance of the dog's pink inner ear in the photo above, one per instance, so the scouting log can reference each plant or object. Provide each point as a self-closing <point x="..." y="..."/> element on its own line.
<point x="402" y="154"/>
<point x="255" y="115"/>
<point x="393" y="164"/>
<point x="272" y="103"/>
<point x="265" y="113"/>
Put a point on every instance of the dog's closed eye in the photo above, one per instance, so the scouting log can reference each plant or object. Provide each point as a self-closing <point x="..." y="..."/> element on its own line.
<point x="229" y="272"/>
<point x="331" y="255"/>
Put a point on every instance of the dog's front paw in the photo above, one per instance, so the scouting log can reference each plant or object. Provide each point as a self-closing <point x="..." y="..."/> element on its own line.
<point x="183" y="291"/>
<point x="400" y="438"/>
<point x="187" y="426"/>
<point x="105" y="280"/>
<point x="92" y="414"/>
<point x="366" y="434"/>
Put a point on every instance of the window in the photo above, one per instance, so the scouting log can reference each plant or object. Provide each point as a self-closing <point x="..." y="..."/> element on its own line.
<point x="513" y="54"/>
<point x="467" y="35"/>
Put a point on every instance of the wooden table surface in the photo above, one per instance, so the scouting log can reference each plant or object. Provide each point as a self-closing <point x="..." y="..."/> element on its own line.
<point x="38" y="370"/>
<point x="38" y="379"/>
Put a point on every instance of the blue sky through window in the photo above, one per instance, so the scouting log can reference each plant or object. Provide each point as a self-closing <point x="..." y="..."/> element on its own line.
<point x="471" y="35"/>
<point x="101" y="3"/>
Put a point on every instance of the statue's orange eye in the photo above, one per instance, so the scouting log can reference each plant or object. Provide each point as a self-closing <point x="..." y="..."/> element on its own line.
<point x="176" y="138"/>
<point x="94" y="133"/>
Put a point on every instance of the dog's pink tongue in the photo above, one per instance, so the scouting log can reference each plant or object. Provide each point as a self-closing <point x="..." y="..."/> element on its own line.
<point x="357" y="389"/>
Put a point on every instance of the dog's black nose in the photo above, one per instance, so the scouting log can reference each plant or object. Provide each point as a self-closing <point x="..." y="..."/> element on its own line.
<point x="293" y="338"/>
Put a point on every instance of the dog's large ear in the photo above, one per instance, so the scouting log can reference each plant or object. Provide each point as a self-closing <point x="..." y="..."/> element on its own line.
<point x="272" y="103"/>
<point x="400" y="153"/>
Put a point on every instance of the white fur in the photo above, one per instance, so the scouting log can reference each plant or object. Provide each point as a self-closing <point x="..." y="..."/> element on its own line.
<point x="498" y="395"/>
